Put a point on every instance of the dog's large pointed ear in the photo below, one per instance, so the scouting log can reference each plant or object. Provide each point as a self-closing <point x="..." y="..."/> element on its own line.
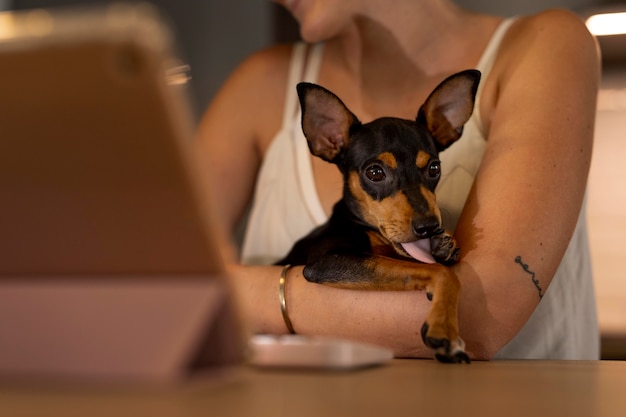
<point x="326" y="121"/>
<point x="449" y="107"/>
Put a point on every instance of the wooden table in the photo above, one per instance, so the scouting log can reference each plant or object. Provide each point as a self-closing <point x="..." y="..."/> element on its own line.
<point x="401" y="388"/>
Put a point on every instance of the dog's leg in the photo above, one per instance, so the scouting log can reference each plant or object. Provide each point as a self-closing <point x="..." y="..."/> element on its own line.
<point x="441" y="285"/>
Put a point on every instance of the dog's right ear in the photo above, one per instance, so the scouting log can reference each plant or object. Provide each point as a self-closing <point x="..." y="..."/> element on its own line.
<point x="326" y="121"/>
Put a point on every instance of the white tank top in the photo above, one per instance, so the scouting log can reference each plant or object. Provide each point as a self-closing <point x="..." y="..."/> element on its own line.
<point x="286" y="207"/>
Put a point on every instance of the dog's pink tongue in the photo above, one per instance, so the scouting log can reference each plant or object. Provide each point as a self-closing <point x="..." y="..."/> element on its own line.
<point x="420" y="250"/>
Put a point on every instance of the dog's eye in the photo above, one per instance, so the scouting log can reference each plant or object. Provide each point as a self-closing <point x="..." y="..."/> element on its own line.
<point x="434" y="169"/>
<point x="375" y="173"/>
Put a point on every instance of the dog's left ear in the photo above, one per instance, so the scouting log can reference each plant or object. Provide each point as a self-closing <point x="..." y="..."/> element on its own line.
<point x="326" y="121"/>
<point x="449" y="107"/>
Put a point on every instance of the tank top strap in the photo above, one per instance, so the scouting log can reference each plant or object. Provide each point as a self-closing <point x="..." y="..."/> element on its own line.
<point x="301" y="149"/>
<point x="485" y="63"/>
<point x="301" y="68"/>
<point x="491" y="51"/>
<point x="296" y="68"/>
<point x="313" y="63"/>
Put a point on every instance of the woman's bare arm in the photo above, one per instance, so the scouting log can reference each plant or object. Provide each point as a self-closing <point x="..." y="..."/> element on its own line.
<point x="527" y="196"/>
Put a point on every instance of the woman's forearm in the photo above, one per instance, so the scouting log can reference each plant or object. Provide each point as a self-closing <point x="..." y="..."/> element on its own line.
<point x="392" y="319"/>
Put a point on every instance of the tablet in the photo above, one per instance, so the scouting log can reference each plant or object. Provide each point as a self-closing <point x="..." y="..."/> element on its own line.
<point x="109" y="262"/>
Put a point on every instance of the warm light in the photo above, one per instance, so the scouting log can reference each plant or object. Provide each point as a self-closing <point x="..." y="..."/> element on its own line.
<point x="607" y="24"/>
<point x="7" y="25"/>
<point x="36" y="22"/>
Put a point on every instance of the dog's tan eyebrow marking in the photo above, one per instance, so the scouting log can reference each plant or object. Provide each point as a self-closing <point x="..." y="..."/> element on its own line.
<point x="389" y="159"/>
<point x="422" y="159"/>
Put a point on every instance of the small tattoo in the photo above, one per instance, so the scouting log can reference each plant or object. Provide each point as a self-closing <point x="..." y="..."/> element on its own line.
<point x="518" y="260"/>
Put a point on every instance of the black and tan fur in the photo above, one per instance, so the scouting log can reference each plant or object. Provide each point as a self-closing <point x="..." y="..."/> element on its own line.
<point x="390" y="168"/>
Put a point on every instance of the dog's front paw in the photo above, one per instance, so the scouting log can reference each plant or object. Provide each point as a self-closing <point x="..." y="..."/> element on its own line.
<point x="447" y="349"/>
<point x="444" y="249"/>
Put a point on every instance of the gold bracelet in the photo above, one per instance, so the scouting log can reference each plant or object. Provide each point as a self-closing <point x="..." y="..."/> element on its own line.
<point x="281" y="298"/>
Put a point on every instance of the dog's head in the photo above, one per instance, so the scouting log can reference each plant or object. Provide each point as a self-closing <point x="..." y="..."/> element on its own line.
<point x="390" y="165"/>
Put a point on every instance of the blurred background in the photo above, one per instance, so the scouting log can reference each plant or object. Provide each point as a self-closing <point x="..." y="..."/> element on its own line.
<point x="214" y="36"/>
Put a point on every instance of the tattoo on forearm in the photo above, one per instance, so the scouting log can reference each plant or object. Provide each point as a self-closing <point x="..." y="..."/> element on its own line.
<point x="524" y="266"/>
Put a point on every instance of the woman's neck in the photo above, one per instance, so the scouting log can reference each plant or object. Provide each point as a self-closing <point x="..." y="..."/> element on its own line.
<point x="399" y="54"/>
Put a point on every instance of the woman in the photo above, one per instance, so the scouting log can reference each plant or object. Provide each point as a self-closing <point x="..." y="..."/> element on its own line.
<point x="513" y="186"/>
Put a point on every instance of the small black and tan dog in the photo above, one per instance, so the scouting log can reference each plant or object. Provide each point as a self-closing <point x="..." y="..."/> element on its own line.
<point x="386" y="232"/>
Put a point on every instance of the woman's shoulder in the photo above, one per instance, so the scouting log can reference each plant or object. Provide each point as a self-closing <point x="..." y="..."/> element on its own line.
<point x="265" y="69"/>
<point x="548" y="42"/>
<point x="548" y="54"/>
<point x="260" y="77"/>
<point x="256" y="88"/>
<point x="557" y="31"/>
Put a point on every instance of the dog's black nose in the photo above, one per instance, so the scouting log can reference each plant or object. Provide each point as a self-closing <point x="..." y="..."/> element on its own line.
<point x="425" y="228"/>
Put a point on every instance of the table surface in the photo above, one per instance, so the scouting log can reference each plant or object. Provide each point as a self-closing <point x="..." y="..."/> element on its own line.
<point x="402" y="387"/>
